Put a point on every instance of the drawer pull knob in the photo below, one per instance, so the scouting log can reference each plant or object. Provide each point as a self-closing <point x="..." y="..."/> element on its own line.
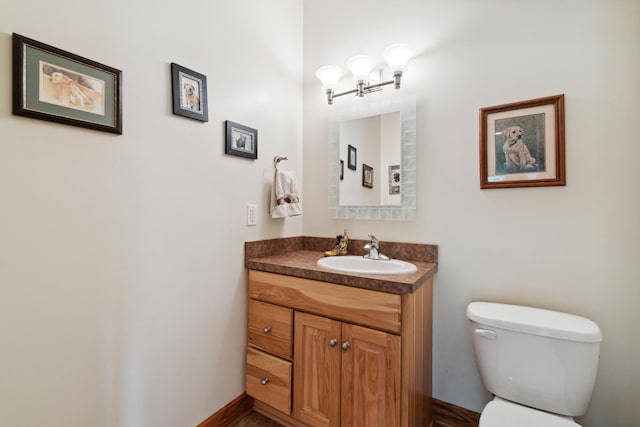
<point x="266" y="329"/>
<point x="345" y="345"/>
<point x="333" y="342"/>
<point x="264" y="381"/>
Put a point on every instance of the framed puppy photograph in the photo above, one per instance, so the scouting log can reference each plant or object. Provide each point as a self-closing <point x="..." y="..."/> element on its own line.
<point x="522" y="144"/>
<point x="189" y="91"/>
<point x="57" y="86"/>
<point x="352" y="156"/>
<point x="241" y="140"/>
<point x="367" y="176"/>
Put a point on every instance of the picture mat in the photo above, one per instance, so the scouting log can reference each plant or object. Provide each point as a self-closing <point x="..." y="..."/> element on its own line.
<point x="550" y="144"/>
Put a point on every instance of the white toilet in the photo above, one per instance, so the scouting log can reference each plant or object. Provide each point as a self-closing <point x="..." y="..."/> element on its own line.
<point x="540" y="365"/>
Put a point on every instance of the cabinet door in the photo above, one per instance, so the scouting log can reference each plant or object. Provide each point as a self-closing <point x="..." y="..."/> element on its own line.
<point x="370" y="378"/>
<point x="316" y="365"/>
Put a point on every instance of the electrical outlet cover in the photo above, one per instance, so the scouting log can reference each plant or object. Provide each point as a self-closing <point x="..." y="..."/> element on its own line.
<point x="252" y="215"/>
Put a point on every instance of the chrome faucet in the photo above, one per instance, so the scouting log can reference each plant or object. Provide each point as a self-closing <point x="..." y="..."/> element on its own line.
<point x="374" y="249"/>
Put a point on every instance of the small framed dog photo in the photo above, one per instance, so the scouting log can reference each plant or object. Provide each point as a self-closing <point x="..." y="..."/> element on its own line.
<point x="241" y="140"/>
<point x="189" y="90"/>
<point x="367" y="176"/>
<point x="522" y="144"/>
<point x="352" y="156"/>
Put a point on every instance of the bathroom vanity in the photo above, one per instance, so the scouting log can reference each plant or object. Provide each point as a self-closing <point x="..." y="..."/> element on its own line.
<point x="337" y="349"/>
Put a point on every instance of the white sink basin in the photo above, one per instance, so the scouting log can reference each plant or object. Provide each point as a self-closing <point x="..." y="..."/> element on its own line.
<point x="358" y="264"/>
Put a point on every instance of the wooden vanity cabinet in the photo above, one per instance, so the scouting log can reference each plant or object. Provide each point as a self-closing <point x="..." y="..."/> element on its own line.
<point x="360" y="365"/>
<point x="358" y="357"/>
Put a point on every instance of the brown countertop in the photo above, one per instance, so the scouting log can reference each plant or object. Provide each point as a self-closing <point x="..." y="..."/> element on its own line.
<point x="298" y="257"/>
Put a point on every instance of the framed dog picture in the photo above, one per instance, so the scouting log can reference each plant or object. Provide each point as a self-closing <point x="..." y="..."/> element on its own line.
<point x="367" y="176"/>
<point x="522" y="144"/>
<point x="352" y="156"/>
<point x="189" y="90"/>
<point x="394" y="179"/>
<point x="57" y="86"/>
<point x="241" y="140"/>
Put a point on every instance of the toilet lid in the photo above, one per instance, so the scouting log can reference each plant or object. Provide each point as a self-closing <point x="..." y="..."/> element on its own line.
<point x="499" y="413"/>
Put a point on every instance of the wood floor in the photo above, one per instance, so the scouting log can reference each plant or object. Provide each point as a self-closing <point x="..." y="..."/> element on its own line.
<point x="254" y="419"/>
<point x="444" y="415"/>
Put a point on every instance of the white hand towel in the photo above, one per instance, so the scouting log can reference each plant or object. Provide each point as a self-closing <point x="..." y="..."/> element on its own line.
<point x="285" y="200"/>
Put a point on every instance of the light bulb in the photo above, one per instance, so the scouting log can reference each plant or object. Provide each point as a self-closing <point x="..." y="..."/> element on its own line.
<point x="329" y="75"/>
<point x="360" y="66"/>
<point x="397" y="57"/>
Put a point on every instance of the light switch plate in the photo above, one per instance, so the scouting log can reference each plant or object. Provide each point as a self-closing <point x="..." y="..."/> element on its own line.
<point x="252" y="215"/>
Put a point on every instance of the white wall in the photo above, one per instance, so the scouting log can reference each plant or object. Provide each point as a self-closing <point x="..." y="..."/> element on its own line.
<point x="122" y="285"/>
<point x="572" y="248"/>
<point x="122" y="288"/>
<point x="364" y="136"/>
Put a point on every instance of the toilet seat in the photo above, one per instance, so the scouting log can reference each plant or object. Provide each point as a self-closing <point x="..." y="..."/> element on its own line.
<point x="501" y="413"/>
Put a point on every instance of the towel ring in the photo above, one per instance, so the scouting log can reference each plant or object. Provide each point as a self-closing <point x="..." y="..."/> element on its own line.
<point x="278" y="159"/>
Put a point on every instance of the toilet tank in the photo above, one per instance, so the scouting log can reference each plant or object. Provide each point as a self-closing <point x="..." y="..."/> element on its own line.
<point x="540" y="358"/>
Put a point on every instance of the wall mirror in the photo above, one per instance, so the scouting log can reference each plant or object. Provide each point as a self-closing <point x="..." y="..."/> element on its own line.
<point x="372" y="160"/>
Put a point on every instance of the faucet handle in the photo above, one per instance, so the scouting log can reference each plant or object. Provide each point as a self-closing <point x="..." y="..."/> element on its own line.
<point x="374" y="240"/>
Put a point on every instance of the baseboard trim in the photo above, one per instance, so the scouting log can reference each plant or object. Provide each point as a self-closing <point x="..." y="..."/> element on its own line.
<point x="231" y="413"/>
<point x="449" y="415"/>
<point x="444" y="414"/>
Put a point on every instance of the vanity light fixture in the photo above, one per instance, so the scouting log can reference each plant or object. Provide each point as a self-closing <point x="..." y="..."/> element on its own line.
<point x="397" y="56"/>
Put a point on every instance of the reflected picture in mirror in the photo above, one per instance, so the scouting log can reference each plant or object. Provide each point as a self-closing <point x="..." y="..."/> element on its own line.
<point x="352" y="156"/>
<point x="367" y="176"/>
<point x="394" y="179"/>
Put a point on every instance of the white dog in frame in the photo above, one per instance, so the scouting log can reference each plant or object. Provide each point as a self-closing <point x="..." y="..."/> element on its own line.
<point x="516" y="153"/>
<point x="191" y="99"/>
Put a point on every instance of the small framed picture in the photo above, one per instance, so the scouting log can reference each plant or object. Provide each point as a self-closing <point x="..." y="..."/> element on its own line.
<point x="352" y="157"/>
<point x="341" y="170"/>
<point x="189" y="90"/>
<point x="241" y="140"/>
<point x="522" y="144"/>
<point x="57" y="86"/>
<point x="394" y="179"/>
<point x="367" y="176"/>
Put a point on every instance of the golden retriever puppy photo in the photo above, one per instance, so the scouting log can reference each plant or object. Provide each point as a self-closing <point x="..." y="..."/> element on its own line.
<point x="515" y="151"/>
<point x="70" y="90"/>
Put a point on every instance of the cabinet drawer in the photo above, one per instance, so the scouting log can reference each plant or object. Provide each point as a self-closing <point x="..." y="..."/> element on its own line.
<point x="365" y="307"/>
<point x="270" y="328"/>
<point x="269" y="379"/>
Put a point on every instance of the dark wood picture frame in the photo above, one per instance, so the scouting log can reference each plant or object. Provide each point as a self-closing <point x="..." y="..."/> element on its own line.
<point x="352" y="157"/>
<point x="58" y="86"/>
<point x="367" y="176"/>
<point x="241" y="140"/>
<point x="523" y="144"/>
<point x="189" y="93"/>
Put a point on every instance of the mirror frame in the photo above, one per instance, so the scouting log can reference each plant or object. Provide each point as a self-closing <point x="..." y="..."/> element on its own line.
<point x="406" y="211"/>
